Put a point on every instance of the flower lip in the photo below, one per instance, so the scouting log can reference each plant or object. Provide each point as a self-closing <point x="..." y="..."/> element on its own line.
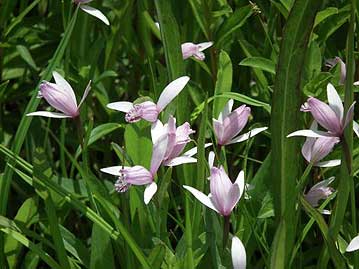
<point x="146" y="110"/>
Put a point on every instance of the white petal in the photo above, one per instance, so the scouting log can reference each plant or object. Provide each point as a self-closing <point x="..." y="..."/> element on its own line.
<point x="112" y="170"/>
<point x="96" y="13"/>
<point x="353" y="245"/>
<point x="157" y="25"/>
<point x="171" y="91"/>
<point x="86" y="92"/>
<point x="324" y="183"/>
<point x="211" y="156"/>
<point x="238" y="253"/>
<point x="180" y="160"/>
<point x="63" y="84"/>
<point x="334" y="101"/>
<point x="48" y="114"/>
<point x="240" y="182"/>
<point x="248" y="135"/>
<point x="326" y="212"/>
<point x="122" y="106"/>
<point x="330" y="163"/>
<point x="356" y="83"/>
<point x="193" y="150"/>
<point x="356" y="128"/>
<point x="226" y="110"/>
<point x="204" y="45"/>
<point x="150" y="190"/>
<point x="204" y="199"/>
<point x="309" y="133"/>
<point x="157" y="130"/>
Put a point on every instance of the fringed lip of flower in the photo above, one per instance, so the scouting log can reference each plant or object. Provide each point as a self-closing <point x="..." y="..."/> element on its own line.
<point x="148" y="110"/>
<point x="315" y="149"/>
<point x="139" y="175"/>
<point x="178" y="137"/>
<point x="229" y="124"/>
<point x="91" y="10"/>
<point x="331" y="117"/>
<point x="224" y="195"/>
<point x="60" y="96"/>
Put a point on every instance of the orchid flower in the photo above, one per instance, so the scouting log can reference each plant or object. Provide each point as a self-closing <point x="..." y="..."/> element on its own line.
<point x="60" y="96"/>
<point x="343" y="70"/>
<point x="177" y="141"/>
<point x="196" y="50"/>
<point x="224" y="194"/>
<point x="353" y="245"/>
<point x="91" y="10"/>
<point x="229" y="124"/>
<point x="315" y="149"/>
<point x="330" y="117"/>
<point x="148" y="110"/>
<point x="238" y="253"/>
<point x="138" y="175"/>
<point x="319" y="191"/>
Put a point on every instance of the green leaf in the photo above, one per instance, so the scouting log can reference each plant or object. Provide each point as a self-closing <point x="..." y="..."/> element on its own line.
<point x="26" y="56"/>
<point x="233" y="23"/>
<point x="260" y="63"/>
<point x="101" y="249"/>
<point x="324" y="14"/>
<point x="223" y="83"/>
<point x="285" y="119"/>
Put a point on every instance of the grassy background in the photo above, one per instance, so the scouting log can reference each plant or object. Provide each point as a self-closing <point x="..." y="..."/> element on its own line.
<point x="57" y="210"/>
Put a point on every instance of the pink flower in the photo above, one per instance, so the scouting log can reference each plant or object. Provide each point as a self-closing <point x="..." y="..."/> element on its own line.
<point x="238" y="253"/>
<point x="319" y="191"/>
<point x="196" y="50"/>
<point x="330" y="117"/>
<point x="177" y="141"/>
<point x="148" y="110"/>
<point x="230" y="124"/>
<point x="315" y="149"/>
<point x="224" y="194"/>
<point x="91" y="10"/>
<point x="138" y="175"/>
<point x="60" y="96"/>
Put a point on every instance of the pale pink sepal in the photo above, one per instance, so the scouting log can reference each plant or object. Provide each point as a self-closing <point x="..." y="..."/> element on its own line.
<point x="353" y="245"/>
<point x="86" y="92"/>
<point x="171" y="91"/>
<point x="180" y="160"/>
<point x="96" y="13"/>
<point x="158" y="153"/>
<point x="150" y="190"/>
<point x="238" y="253"/>
<point x="356" y="128"/>
<point x="63" y="84"/>
<point x="247" y="135"/>
<point x="48" y="114"/>
<point x="200" y="196"/>
<point x="309" y="133"/>
<point x="335" y="101"/>
<point x="330" y="163"/>
<point x="112" y="170"/>
<point x="122" y="106"/>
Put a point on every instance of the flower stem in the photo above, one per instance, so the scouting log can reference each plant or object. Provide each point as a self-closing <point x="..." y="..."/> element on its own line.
<point x="226" y="225"/>
<point x="303" y="179"/>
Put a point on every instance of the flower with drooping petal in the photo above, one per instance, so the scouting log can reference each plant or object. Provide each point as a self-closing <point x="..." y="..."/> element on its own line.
<point x="315" y="149"/>
<point x="92" y="11"/>
<point x="60" y="96"/>
<point x="238" y="253"/>
<point x="330" y="117"/>
<point x="196" y="50"/>
<point x="319" y="191"/>
<point x="224" y="195"/>
<point x="353" y="245"/>
<point x="148" y="110"/>
<point x="230" y="124"/>
<point x="139" y="175"/>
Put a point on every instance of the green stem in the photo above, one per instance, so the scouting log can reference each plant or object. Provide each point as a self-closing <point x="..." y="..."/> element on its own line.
<point x="226" y="226"/>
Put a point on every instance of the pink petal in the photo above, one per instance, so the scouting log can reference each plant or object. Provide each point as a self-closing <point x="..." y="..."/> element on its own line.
<point x="218" y="129"/>
<point x="232" y="199"/>
<point x="137" y="175"/>
<point x="226" y="110"/>
<point x="121" y="106"/>
<point x="322" y="147"/>
<point x="220" y="186"/>
<point x="200" y="196"/>
<point x="307" y="148"/>
<point x="240" y="182"/>
<point x="146" y="110"/>
<point x="211" y="156"/>
<point x="150" y="190"/>
<point x="193" y="150"/>
<point x="157" y="130"/>
<point x="96" y="13"/>
<point x="48" y="114"/>
<point x="350" y="114"/>
<point x="188" y="50"/>
<point x="158" y="153"/>
<point x="325" y="115"/>
<point x="63" y="84"/>
<point x="171" y="91"/>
